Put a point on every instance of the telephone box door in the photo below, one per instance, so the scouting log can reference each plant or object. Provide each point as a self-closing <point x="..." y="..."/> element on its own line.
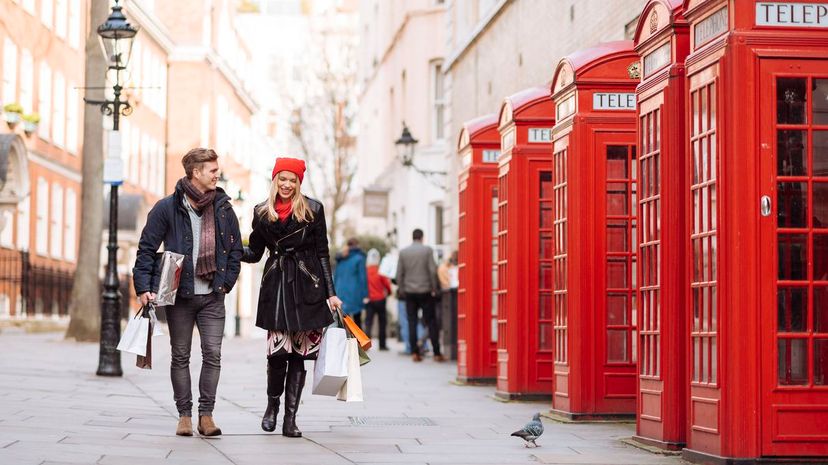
<point x="615" y="317"/>
<point x="793" y="211"/>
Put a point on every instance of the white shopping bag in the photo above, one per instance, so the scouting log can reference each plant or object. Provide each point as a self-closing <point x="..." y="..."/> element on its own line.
<point x="351" y="391"/>
<point x="331" y="367"/>
<point x="388" y="266"/>
<point x="134" y="339"/>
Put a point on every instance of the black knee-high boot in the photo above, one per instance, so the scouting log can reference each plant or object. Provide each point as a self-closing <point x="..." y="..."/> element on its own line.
<point x="293" y="392"/>
<point x="276" y="371"/>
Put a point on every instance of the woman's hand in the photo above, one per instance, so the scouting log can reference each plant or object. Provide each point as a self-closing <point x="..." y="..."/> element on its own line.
<point x="335" y="303"/>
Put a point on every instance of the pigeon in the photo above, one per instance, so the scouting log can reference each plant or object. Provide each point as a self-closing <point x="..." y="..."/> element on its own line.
<point x="530" y="431"/>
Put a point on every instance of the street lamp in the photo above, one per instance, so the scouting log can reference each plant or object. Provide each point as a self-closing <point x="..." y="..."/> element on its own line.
<point x="116" y="36"/>
<point x="406" y="145"/>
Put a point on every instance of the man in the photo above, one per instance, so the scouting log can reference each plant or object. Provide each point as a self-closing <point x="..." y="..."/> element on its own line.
<point x="417" y="281"/>
<point x="198" y="221"/>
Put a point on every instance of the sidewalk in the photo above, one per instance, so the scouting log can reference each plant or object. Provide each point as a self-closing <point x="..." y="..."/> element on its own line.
<point x="53" y="409"/>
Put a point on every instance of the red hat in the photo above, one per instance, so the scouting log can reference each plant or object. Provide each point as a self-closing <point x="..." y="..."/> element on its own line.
<point x="294" y="165"/>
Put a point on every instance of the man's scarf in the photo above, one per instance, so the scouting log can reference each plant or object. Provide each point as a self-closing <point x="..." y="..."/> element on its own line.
<point x="206" y="264"/>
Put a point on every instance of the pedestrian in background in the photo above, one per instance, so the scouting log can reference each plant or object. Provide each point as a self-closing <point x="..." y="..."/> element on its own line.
<point x="379" y="287"/>
<point x="351" y="280"/>
<point x="417" y="281"/>
<point x="448" y="275"/>
<point x="198" y="221"/>
<point x="295" y="286"/>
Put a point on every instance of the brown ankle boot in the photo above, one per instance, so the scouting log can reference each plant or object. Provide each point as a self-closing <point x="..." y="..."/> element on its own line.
<point x="185" y="426"/>
<point x="206" y="427"/>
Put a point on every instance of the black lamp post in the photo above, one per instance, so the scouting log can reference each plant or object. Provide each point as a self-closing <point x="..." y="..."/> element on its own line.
<point x="116" y="36"/>
<point x="406" y="145"/>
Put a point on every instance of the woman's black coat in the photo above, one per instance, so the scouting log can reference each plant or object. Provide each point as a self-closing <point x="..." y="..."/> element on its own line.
<point x="297" y="275"/>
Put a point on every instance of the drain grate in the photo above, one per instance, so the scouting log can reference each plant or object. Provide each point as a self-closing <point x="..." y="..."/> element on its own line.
<point x="392" y="421"/>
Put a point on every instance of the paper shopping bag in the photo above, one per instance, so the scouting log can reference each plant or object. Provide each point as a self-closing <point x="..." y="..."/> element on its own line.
<point x="145" y="361"/>
<point x="136" y="334"/>
<point x="171" y="265"/>
<point x="357" y="332"/>
<point x="331" y="367"/>
<point x="351" y="391"/>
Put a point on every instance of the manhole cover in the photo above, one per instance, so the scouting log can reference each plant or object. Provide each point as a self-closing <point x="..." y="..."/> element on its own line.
<point x="391" y="421"/>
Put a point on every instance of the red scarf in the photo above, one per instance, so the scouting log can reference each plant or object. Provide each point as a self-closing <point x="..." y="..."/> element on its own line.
<point x="283" y="208"/>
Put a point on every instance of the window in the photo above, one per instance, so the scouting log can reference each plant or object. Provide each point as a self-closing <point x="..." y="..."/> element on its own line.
<point x="560" y="259"/>
<point x="145" y="151"/>
<point x="26" y="81"/>
<point x="29" y="5"/>
<point x="42" y="226"/>
<point x="57" y="221"/>
<point x="438" y="224"/>
<point x="75" y="23"/>
<point x="59" y="115"/>
<point x="9" y="71"/>
<point x="7" y="234"/>
<point x="71" y="225"/>
<point x="72" y="118"/>
<point x="650" y="245"/>
<point x="46" y="12"/>
<point x="44" y="104"/>
<point x="23" y="209"/>
<point x="61" y="11"/>
<point x="438" y="104"/>
<point x="135" y="139"/>
<point x="205" y="125"/>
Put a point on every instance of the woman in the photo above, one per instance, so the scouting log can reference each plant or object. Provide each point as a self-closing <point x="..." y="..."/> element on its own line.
<point x="295" y="285"/>
<point x="379" y="287"/>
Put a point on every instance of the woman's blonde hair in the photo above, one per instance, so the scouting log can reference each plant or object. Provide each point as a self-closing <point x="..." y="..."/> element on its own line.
<point x="301" y="209"/>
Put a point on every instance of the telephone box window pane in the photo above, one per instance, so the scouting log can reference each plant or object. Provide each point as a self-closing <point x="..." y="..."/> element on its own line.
<point x="821" y="309"/>
<point x="821" y="362"/>
<point x="545" y="306"/>
<point x="792" y="366"/>
<point x="617" y="345"/>
<point x="617" y="273"/>
<point x="546" y="185"/>
<point x="545" y="276"/>
<point x="820" y="257"/>
<point x="792" y="204"/>
<point x="792" y="309"/>
<point x="546" y="246"/>
<point x="792" y="156"/>
<point x="820" y="95"/>
<point x="820" y="149"/>
<point x="617" y="236"/>
<point x="617" y="198"/>
<point x="616" y="309"/>
<point x="617" y="162"/>
<point x="547" y="336"/>
<point x="791" y="97"/>
<point x="793" y="257"/>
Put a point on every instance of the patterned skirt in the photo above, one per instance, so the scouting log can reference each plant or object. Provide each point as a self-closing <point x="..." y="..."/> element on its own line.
<point x="303" y="343"/>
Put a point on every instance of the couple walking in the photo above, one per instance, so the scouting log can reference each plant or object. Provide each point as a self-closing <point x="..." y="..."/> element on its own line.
<point x="198" y="221"/>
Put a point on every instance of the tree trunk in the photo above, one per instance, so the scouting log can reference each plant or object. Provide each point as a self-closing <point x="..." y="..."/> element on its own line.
<point x="85" y="301"/>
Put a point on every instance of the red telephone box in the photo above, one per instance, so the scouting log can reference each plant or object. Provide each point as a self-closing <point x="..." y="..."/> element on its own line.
<point x="478" y="148"/>
<point x="524" y="247"/>
<point x="594" y="166"/>
<point x="662" y="42"/>
<point x="757" y="210"/>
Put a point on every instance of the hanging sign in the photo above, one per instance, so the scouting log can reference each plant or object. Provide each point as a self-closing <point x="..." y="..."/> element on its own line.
<point x="490" y="155"/>
<point x="540" y="135"/>
<point x="790" y="14"/>
<point x="613" y="101"/>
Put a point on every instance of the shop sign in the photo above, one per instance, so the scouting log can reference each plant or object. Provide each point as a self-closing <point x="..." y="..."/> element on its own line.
<point x="657" y="59"/>
<point x="375" y="203"/>
<point x="613" y="101"/>
<point x="540" y="135"/>
<point x="565" y="108"/>
<point x="490" y="155"/>
<point x="789" y="14"/>
<point x="710" y="27"/>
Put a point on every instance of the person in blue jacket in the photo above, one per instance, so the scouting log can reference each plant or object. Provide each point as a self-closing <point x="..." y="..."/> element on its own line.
<point x="351" y="280"/>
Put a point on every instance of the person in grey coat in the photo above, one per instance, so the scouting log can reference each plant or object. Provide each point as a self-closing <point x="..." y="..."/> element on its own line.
<point x="417" y="282"/>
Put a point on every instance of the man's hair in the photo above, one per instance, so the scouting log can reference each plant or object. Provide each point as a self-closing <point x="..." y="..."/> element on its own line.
<point x="353" y="242"/>
<point x="417" y="235"/>
<point x="195" y="158"/>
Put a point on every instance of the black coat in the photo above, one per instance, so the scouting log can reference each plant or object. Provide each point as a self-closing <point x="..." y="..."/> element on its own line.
<point x="169" y="222"/>
<point x="297" y="275"/>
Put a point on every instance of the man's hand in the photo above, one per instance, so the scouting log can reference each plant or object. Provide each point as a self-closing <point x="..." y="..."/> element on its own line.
<point x="146" y="298"/>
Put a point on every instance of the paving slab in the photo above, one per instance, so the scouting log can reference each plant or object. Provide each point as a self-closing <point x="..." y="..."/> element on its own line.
<point x="55" y="410"/>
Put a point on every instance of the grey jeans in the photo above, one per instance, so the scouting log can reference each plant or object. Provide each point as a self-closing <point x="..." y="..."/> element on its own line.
<point x="206" y="312"/>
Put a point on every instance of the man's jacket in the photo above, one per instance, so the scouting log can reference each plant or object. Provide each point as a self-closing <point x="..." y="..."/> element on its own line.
<point x="168" y="223"/>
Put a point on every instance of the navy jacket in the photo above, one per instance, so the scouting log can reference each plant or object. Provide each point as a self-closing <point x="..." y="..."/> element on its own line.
<point x="169" y="223"/>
